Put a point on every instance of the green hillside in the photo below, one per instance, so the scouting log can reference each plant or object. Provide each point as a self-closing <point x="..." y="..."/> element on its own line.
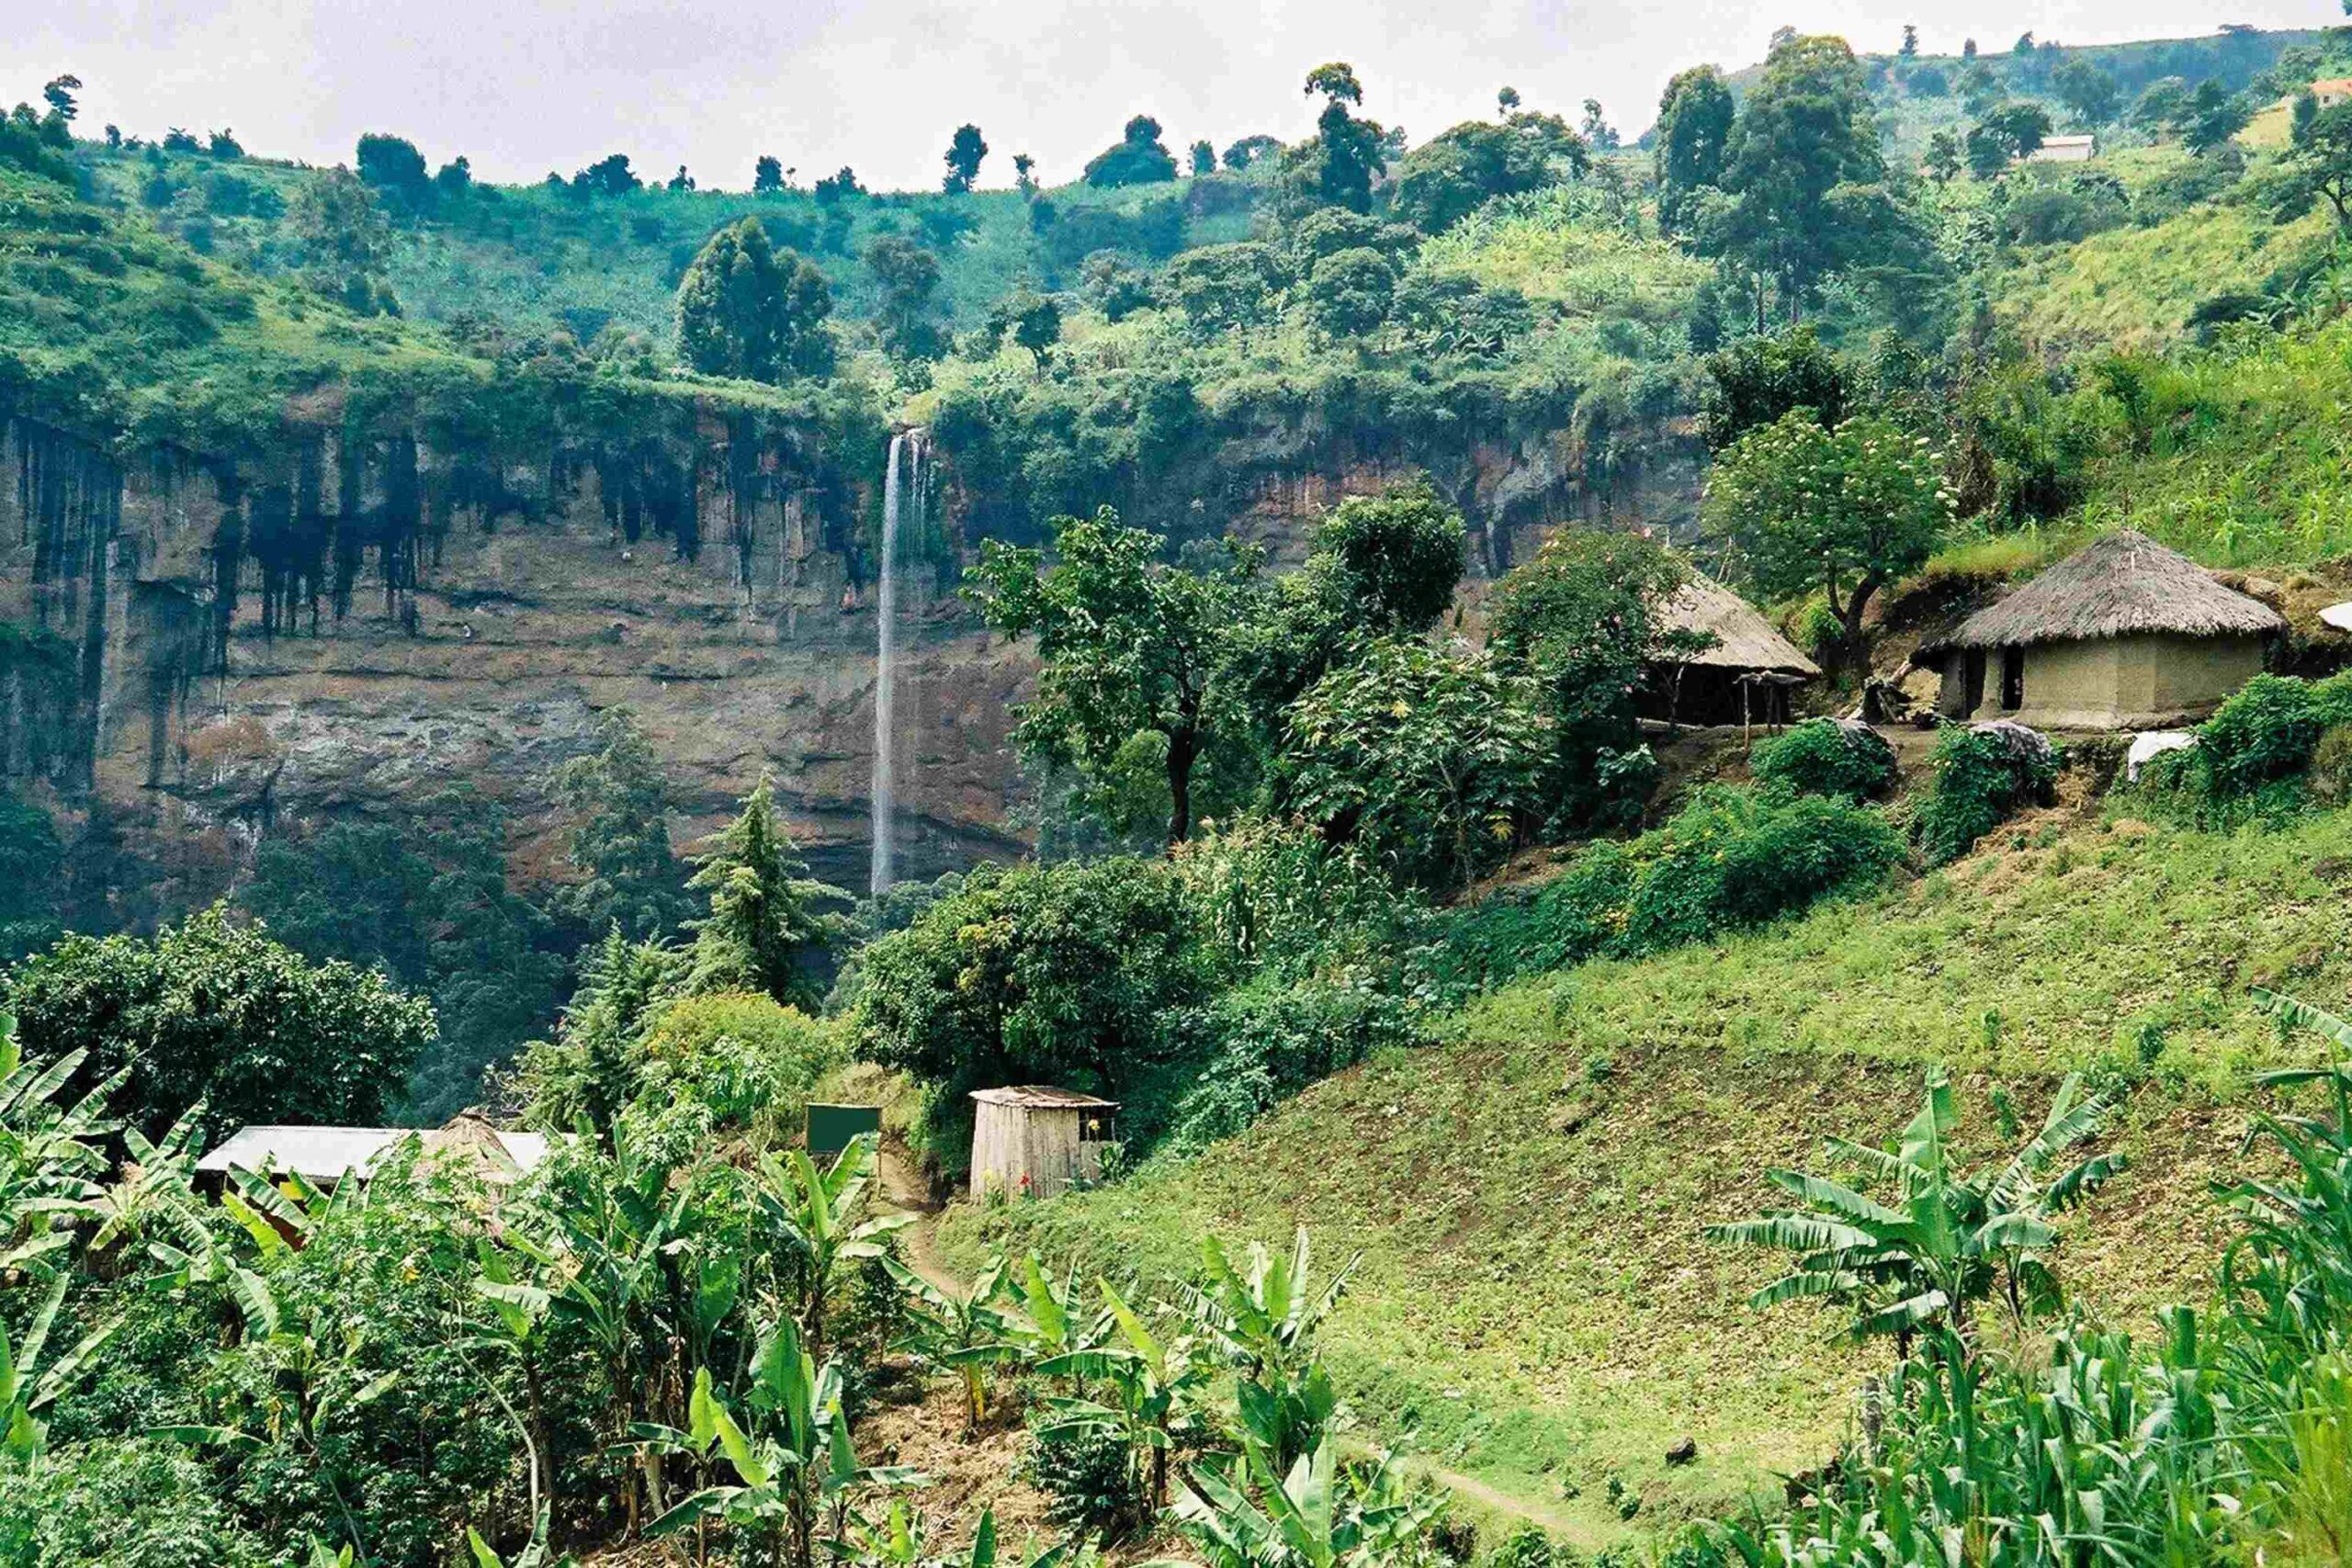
<point x="1534" y="1295"/>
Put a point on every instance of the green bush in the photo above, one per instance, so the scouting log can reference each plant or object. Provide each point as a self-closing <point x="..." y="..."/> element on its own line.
<point x="2332" y="766"/>
<point x="1256" y="1046"/>
<point x="1983" y="774"/>
<point x="1074" y="974"/>
<point x="1733" y="857"/>
<point x="1822" y="756"/>
<point x="751" y="1059"/>
<point x="2257" y="758"/>
<point x="120" y="1503"/>
<point x="1090" y="1481"/>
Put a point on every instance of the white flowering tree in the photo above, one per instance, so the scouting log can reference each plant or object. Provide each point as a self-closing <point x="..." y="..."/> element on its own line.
<point x="1846" y="510"/>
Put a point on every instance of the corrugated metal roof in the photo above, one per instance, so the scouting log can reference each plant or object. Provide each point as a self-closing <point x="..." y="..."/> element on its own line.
<point x="1043" y="1097"/>
<point x="331" y="1153"/>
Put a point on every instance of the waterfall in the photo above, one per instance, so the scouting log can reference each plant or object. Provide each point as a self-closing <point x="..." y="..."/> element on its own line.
<point x="902" y="483"/>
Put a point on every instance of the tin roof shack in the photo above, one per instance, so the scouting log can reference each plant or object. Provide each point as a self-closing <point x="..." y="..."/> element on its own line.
<point x="2122" y="635"/>
<point x="1747" y="674"/>
<point x="324" y="1156"/>
<point x="1035" y="1141"/>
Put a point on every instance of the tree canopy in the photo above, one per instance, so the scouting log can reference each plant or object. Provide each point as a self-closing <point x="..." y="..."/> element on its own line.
<point x="747" y="310"/>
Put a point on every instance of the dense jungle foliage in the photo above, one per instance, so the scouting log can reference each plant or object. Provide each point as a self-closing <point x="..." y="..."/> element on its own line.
<point x="1366" y="886"/>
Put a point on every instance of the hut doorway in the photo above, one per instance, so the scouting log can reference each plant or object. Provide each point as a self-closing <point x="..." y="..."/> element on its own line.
<point x="1974" y="675"/>
<point x="2012" y="678"/>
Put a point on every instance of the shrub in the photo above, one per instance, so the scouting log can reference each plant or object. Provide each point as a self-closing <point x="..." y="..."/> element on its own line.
<point x="752" y="1060"/>
<point x="1822" y="756"/>
<point x="1732" y="857"/>
<point x="1276" y="898"/>
<point x="210" y="1011"/>
<point x="1259" y="1046"/>
<point x="2256" y="759"/>
<point x="2331" y="767"/>
<point x="1089" y="1481"/>
<point x="1072" y="974"/>
<point x="134" y="1502"/>
<point x="1983" y="774"/>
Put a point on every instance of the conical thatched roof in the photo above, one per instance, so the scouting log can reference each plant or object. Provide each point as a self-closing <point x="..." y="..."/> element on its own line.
<point x="1744" y="639"/>
<point x="2120" y="584"/>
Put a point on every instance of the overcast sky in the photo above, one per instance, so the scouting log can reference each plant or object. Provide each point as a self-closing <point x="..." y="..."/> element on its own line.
<point x="524" y="87"/>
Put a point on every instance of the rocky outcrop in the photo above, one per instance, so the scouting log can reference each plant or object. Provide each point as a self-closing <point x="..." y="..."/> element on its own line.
<point x="200" y="653"/>
<point x="197" y="652"/>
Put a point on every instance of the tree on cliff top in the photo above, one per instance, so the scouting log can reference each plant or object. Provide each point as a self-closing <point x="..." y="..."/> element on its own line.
<point x="964" y="150"/>
<point x="747" y="310"/>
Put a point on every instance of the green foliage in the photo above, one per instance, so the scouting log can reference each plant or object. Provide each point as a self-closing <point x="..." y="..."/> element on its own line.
<point x="214" y="1013"/>
<point x="618" y="800"/>
<point x="907" y="275"/>
<point x="1127" y="643"/>
<point x="1730" y="858"/>
<point x="31" y="862"/>
<point x="753" y="1062"/>
<point x="1432" y="761"/>
<point x="1694" y="122"/>
<point x="2254" y="758"/>
<point x="1089" y="1479"/>
<point x="1066" y="973"/>
<point x="1761" y="378"/>
<point x="766" y="928"/>
<point x="1845" y="511"/>
<point x="747" y="310"/>
<point x="1983" y="773"/>
<point x="1943" y="1241"/>
<point x="1803" y="133"/>
<point x="965" y="150"/>
<point x="1581" y="619"/>
<point x="1138" y="158"/>
<point x="2004" y="134"/>
<point x="1821" y="756"/>
<point x="1461" y="169"/>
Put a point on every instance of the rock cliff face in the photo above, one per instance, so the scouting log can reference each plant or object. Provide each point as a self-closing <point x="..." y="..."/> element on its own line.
<point x="196" y="653"/>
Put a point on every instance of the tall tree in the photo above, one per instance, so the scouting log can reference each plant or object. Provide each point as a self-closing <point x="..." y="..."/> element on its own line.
<point x="617" y="798"/>
<point x="1806" y="129"/>
<point x="745" y="309"/>
<point x="1139" y="158"/>
<point x="1128" y="644"/>
<point x="1204" y="158"/>
<point x="2318" y="164"/>
<point x="1337" y="168"/>
<point x="964" y="150"/>
<point x="767" y="176"/>
<point x="907" y="275"/>
<point x="1845" y="511"/>
<point x="766" y="923"/>
<point x="1694" y="121"/>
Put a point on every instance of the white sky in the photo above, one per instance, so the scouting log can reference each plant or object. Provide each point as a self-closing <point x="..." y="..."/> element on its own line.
<point x="523" y="86"/>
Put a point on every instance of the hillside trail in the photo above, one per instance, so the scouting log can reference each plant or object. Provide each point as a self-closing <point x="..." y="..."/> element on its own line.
<point x="921" y="1241"/>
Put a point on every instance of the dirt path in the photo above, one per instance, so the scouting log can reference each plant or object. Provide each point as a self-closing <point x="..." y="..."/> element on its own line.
<point x="921" y="1238"/>
<point x="1558" y="1521"/>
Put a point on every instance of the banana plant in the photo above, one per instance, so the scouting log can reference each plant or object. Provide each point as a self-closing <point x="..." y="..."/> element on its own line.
<point x="28" y="1385"/>
<point x="51" y="1154"/>
<point x="519" y="1328"/>
<point x="1044" y="1317"/>
<point x="794" y="1469"/>
<point x="1263" y="1322"/>
<point x="1153" y="1386"/>
<point x="1946" y="1240"/>
<point x="818" y="1215"/>
<point x="156" y="1188"/>
<point x="533" y="1555"/>
<point x="1319" y="1514"/>
<point x="965" y="1333"/>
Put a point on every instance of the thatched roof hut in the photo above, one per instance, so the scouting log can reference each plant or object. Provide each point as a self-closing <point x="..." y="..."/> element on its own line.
<point x="2122" y="634"/>
<point x="1747" y="670"/>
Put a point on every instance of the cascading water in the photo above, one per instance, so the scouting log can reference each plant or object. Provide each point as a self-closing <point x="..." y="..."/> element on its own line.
<point x="902" y="480"/>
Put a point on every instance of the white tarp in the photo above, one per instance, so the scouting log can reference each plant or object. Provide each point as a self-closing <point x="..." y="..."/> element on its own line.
<point x="2151" y="743"/>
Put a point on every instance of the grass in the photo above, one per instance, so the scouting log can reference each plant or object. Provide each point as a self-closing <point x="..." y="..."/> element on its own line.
<point x="1535" y="1297"/>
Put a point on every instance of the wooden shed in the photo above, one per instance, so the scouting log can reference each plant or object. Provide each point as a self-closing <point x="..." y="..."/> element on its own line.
<point x="1033" y="1141"/>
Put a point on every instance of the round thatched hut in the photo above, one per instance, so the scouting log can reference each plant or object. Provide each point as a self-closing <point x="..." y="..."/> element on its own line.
<point x="2122" y="635"/>
<point x="1748" y="674"/>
